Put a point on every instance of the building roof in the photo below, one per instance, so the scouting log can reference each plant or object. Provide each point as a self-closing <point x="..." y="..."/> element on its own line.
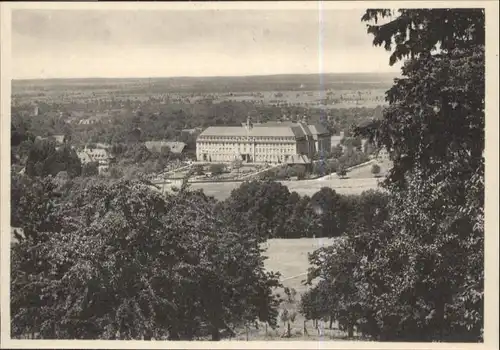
<point x="318" y="129"/>
<point x="273" y="128"/>
<point x="304" y="127"/>
<point x="275" y="123"/>
<point x="175" y="146"/>
<point x="84" y="156"/>
<point x="96" y="152"/>
<point x="191" y="131"/>
<point x="224" y="131"/>
<point x="103" y="145"/>
<point x="298" y="159"/>
<point x="308" y="129"/>
<point x="283" y="131"/>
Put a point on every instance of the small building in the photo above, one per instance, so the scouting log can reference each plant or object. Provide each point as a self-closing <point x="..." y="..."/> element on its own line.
<point x="88" y="121"/>
<point x="99" y="155"/>
<point x="176" y="147"/>
<point x="84" y="157"/>
<point x="102" y="145"/>
<point x="193" y="131"/>
<point x="383" y="154"/>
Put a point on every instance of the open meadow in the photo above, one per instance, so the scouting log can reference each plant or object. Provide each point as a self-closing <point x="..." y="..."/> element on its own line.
<point x="358" y="180"/>
<point x="222" y="190"/>
<point x="290" y="258"/>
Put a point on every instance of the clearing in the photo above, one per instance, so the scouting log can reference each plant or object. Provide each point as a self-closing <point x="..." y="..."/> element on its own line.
<point x="222" y="190"/>
<point x="290" y="258"/>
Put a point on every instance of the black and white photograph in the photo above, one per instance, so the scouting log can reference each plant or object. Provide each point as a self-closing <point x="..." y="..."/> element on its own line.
<point x="278" y="173"/>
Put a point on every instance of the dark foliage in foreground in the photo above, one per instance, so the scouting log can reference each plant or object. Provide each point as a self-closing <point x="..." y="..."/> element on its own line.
<point x="418" y="274"/>
<point x="123" y="262"/>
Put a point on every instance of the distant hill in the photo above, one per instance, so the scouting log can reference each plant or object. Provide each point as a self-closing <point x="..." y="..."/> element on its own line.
<point x="288" y="82"/>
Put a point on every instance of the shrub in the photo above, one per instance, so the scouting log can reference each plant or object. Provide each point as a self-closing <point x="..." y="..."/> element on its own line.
<point x="375" y="169"/>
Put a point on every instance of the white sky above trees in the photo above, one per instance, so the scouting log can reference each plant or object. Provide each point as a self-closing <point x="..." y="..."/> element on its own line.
<point x="162" y="43"/>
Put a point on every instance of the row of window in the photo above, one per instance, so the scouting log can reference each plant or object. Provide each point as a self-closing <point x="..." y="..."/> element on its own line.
<point x="245" y="149"/>
<point x="236" y="144"/>
<point x="246" y="138"/>
<point x="258" y="152"/>
<point x="258" y="158"/>
<point x="233" y="145"/>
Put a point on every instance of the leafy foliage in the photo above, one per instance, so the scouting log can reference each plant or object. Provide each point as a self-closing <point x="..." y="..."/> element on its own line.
<point x="375" y="169"/>
<point x="217" y="169"/>
<point x="436" y="110"/>
<point x="90" y="169"/>
<point x="44" y="159"/>
<point x="411" y="268"/>
<point x="341" y="171"/>
<point x="258" y="209"/>
<point x="331" y="212"/>
<point x="128" y="263"/>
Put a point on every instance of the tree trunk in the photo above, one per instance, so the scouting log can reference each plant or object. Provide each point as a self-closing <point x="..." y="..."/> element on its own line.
<point x="289" y="330"/>
<point x="215" y="334"/>
<point x="331" y="322"/>
<point x="350" y="331"/>
<point x="173" y="335"/>
<point x="266" y="329"/>
<point x="148" y="335"/>
<point x="440" y="307"/>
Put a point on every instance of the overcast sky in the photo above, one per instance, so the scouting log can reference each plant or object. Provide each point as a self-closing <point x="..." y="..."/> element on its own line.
<point x="162" y="43"/>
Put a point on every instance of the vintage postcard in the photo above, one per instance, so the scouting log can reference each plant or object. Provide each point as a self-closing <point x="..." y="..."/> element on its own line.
<point x="246" y="174"/>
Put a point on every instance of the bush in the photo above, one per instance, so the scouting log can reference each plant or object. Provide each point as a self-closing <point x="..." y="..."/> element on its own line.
<point x="90" y="169"/>
<point x="375" y="169"/>
<point x="341" y="171"/>
<point x="217" y="169"/>
<point x="198" y="169"/>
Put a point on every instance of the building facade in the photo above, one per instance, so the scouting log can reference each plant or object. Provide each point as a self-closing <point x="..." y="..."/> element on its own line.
<point x="273" y="142"/>
<point x="99" y="155"/>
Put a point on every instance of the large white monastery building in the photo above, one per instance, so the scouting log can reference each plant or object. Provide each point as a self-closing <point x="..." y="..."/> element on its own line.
<point x="271" y="142"/>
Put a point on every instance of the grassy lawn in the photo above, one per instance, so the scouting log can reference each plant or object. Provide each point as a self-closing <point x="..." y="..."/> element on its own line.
<point x="222" y="190"/>
<point x="365" y="172"/>
<point x="289" y="257"/>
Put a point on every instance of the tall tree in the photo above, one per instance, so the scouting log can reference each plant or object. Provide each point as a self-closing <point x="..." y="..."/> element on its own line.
<point x="44" y="159"/>
<point x="436" y="111"/>
<point x="418" y="273"/>
<point x="327" y="203"/>
<point x="128" y="263"/>
<point x="259" y="208"/>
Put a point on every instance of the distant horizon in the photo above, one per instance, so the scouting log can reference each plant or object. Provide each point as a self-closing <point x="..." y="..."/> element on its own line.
<point x="206" y="76"/>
